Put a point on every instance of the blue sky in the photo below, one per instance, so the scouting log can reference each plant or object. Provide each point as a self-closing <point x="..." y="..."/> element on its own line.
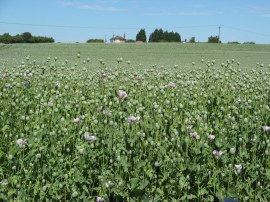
<point x="72" y="21"/>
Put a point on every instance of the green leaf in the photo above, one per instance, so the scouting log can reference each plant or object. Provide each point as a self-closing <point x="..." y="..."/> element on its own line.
<point x="5" y="128"/>
<point x="191" y="196"/>
<point x="268" y="174"/>
<point x="134" y="183"/>
<point x="144" y="184"/>
<point x="202" y="192"/>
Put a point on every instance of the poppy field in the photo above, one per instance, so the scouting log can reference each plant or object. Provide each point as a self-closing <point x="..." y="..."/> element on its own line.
<point x="128" y="131"/>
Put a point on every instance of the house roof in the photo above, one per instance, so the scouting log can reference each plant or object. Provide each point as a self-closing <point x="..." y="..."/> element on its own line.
<point x="118" y="38"/>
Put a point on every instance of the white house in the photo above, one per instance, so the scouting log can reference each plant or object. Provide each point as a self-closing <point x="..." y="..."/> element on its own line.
<point x="118" y="39"/>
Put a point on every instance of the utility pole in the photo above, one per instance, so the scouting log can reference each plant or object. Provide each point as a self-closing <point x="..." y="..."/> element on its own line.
<point x="219" y="33"/>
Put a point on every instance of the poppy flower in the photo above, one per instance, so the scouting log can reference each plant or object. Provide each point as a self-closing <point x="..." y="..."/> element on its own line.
<point x="133" y="119"/>
<point x="122" y="94"/>
<point x="21" y="142"/>
<point x="211" y="137"/>
<point x="89" y="138"/>
<point x="217" y="153"/>
<point x="194" y="135"/>
<point x="266" y="128"/>
<point x="77" y="121"/>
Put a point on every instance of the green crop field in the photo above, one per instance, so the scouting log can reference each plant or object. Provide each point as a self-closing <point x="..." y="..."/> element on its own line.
<point x="134" y="122"/>
<point x="166" y="54"/>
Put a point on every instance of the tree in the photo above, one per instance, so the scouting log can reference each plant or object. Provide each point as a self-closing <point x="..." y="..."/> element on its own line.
<point x="192" y="40"/>
<point x="156" y="36"/>
<point x="141" y="36"/>
<point x="213" y="39"/>
<point x="164" y="36"/>
<point x="95" y="41"/>
<point x="17" y="39"/>
<point x="27" y="36"/>
<point x="177" y="37"/>
<point x="249" y="42"/>
<point x="5" y="38"/>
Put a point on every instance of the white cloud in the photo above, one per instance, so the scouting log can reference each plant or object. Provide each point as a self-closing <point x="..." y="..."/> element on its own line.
<point x="100" y="6"/>
<point x="95" y="7"/>
<point x="179" y="14"/>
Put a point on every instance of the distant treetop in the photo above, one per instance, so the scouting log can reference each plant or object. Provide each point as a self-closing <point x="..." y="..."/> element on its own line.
<point x="160" y="36"/>
<point x="25" y="37"/>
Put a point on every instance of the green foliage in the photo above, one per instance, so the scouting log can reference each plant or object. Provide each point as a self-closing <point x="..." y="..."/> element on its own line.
<point x="5" y="38"/>
<point x="130" y="41"/>
<point x="141" y="55"/>
<point x="249" y="42"/>
<point x="141" y="36"/>
<point x="25" y="37"/>
<point x="233" y="42"/>
<point x="153" y="159"/>
<point x="95" y="41"/>
<point x="213" y="39"/>
<point x="192" y="40"/>
<point x="160" y="36"/>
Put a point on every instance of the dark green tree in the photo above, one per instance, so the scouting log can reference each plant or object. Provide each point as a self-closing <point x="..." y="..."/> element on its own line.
<point x="213" y="39"/>
<point x="95" y="41"/>
<point x="177" y="37"/>
<point x="5" y="38"/>
<point x="17" y="39"/>
<point x="141" y="36"/>
<point x="164" y="36"/>
<point x="192" y="40"/>
<point x="156" y="36"/>
<point x="27" y="37"/>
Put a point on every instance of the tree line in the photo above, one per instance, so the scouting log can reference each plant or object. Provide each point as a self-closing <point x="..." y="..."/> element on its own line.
<point x="25" y="37"/>
<point x="158" y="36"/>
<point x="164" y="36"/>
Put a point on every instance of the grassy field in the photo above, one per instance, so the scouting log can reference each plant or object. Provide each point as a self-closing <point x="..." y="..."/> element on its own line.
<point x="134" y="122"/>
<point x="166" y="55"/>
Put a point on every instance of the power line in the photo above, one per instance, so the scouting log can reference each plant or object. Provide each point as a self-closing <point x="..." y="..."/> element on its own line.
<point x="247" y="31"/>
<point x="97" y="27"/>
<point x="133" y="28"/>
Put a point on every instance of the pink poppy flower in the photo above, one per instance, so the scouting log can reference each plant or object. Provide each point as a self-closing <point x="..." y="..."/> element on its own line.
<point x="133" y="119"/>
<point x="211" y="137"/>
<point x="266" y="128"/>
<point x="21" y="142"/>
<point x="194" y="135"/>
<point x="100" y="199"/>
<point x="28" y="74"/>
<point x="122" y="94"/>
<point x="217" y="153"/>
<point x="89" y="138"/>
<point x="77" y="121"/>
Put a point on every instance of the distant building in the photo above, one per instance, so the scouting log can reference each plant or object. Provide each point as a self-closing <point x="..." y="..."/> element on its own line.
<point x="118" y="39"/>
